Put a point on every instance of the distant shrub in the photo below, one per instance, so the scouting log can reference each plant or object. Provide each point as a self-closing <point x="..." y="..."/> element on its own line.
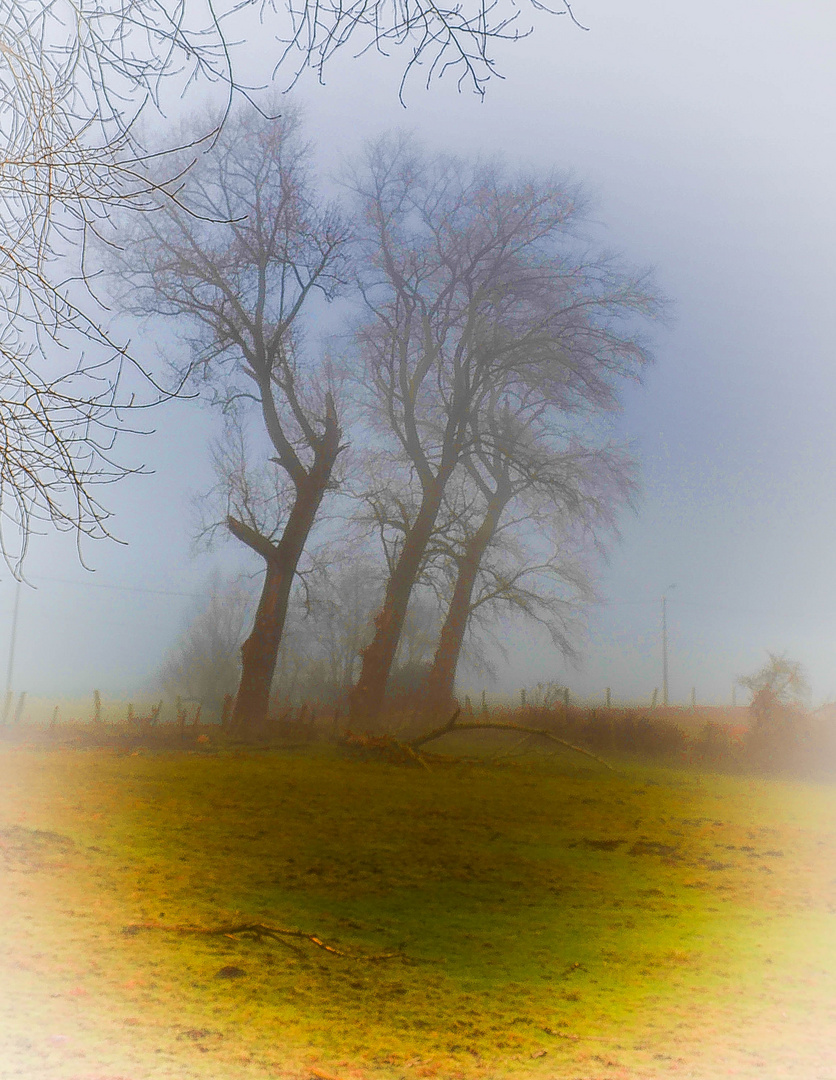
<point x="779" y="727"/>
<point x="714" y="744"/>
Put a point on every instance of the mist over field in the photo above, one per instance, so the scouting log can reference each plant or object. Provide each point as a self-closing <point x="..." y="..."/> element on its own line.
<point x="705" y="143"/>
<point x="417" y="615"/>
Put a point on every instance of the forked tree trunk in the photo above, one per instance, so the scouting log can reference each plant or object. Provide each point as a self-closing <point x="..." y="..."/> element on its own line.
<point x="442" y="675"/>
<point x="366" y="700"/>
<point x="260" y="651"/>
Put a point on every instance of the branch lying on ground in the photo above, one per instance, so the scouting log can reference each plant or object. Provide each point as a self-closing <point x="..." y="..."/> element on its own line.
<point x="436" y="733"/>
<point x="507" y="755"/>
<point x="385" y="746"/>
<point x="486" y="725"/>
<point x="257" y="931"/>
<point x="392" y="749"/>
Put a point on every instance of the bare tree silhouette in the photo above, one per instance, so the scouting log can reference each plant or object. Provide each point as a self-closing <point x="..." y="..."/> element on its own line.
<point x="527" y="507"/>
<point x="240" y="269"/>
<point x="480" y="295"/>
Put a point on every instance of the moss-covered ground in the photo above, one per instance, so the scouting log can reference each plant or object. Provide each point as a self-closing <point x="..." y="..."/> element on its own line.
<point x="549" y="919"/>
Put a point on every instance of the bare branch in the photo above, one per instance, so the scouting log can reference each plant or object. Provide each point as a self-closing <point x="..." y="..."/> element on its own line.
<point x="76" y="79"/>
<point x="486" y="725"/>
<point x="253" y="539"/>
<point x="258" y="932"/>
<point x="241" y="268"/>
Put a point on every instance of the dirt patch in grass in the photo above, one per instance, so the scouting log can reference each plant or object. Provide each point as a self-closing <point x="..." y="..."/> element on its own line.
<point x="545" y="920"/>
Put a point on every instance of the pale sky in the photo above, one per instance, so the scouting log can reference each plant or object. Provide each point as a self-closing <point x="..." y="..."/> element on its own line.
<point x="705" y="134"/>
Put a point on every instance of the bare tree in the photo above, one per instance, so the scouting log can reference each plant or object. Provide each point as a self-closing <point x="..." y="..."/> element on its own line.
<point x="242" y="268"/>
<point x="74" y="77"/>
<point x="477" y="285"/>
<point x="204" y="665"/>
<point x="441" y="37"/>
<point x="328" y="627"/>
<point x="530" y="503"/>
<point x="343" y="599"/>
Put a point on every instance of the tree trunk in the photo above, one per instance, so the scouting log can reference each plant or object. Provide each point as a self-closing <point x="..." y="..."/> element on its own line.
<point x="260" y="651"/>
<point x="442" y="676"/>
<point x="367" y="697"/>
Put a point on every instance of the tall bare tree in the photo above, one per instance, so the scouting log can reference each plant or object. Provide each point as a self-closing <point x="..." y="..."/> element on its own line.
<point x="74" y="77"/>
<point x="531" y="500"/>
<point x="477" y="284"/>
<point x="242" y="268"/>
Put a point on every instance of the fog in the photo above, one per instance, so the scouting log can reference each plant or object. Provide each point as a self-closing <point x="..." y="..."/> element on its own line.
<point x="706" y="140"/>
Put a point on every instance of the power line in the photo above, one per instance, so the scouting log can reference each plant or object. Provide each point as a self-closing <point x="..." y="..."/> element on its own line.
<point x="118" y="588"/>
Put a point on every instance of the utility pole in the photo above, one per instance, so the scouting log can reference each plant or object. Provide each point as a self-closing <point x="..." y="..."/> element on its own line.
<point x="665" y="643"/>
<point x="10" y="668"/>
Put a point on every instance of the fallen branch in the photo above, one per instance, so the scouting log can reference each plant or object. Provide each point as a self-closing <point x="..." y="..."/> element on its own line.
<point x="257" y="931"/>
<point x="419" y="758"/>
<point x="383" y="746"/>
<point x="510" y="753"/>
<point x="487" y="725"/>
<point x="436" y="733"/>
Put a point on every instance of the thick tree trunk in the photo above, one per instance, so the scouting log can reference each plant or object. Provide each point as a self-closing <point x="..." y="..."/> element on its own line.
<point x="367" y="697"/>
<point x="442" y="676"/>
<point x="259" y="652"/>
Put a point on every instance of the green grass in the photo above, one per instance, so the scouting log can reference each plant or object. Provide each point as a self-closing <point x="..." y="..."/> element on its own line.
<point x="608" y="920"/>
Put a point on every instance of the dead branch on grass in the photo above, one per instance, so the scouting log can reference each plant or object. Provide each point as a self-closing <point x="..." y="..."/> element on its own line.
<point x="436" y="733"/>
<point x="401" y="753"/>
<point x="385" y="746"/>
<point x="257" y="931"/>
<point x="487" y="725"/>
<point x="511" y="752"/>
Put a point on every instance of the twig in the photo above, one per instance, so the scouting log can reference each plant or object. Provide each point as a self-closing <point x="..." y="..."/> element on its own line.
<point x="257" y="931"/>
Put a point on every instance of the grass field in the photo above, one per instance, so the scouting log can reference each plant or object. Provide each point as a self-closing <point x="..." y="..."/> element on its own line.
<point x="547" y="919"/>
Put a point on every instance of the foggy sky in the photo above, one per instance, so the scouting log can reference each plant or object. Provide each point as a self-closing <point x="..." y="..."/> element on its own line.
<point x="705" y="134"/>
